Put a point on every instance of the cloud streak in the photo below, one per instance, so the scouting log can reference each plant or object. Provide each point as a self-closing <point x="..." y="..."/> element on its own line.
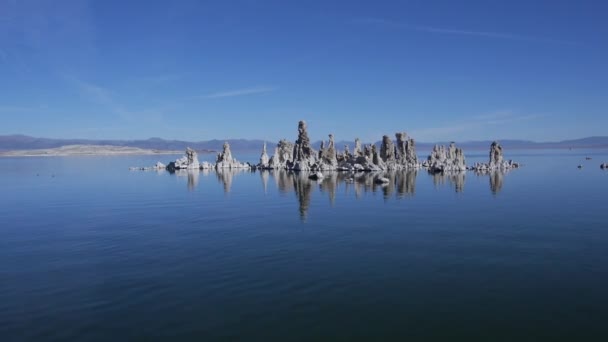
<point x="459" y="32"/>
<point x="496" y="35"/>
<point x="240" y="92"/>
<point x="473" y="123"/>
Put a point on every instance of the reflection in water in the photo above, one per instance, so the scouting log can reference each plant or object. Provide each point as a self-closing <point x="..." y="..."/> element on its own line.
<point x="264" y="174"/>
<point x="192" y="177"/>
<point x="400" y="183"/>
<point x="303" y="187"/>
<point x="496" y="179"/>
<point x="455" y="178"/>
<point x="225" y="176"/>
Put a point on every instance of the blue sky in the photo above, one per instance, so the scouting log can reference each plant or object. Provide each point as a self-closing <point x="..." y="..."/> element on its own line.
<point x="197" y="70"/>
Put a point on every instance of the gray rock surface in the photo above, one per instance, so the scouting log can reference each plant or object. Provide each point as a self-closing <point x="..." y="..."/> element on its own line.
<point x="405" y="150"/>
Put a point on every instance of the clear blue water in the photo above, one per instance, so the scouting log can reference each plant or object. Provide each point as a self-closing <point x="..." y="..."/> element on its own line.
<point x="90" y="251"/>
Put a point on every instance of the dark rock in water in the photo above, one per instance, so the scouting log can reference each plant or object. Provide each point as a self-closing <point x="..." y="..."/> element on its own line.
<point x="587" y="158"/>
<point x="580" y="166"/>
<point x="604" y="166"/>
<point x="316" y="176"/>
<point x="382" y="180"/>
<point x="171" y="167"/>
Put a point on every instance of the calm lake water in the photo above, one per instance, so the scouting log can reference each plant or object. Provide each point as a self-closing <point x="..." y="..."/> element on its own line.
<point x="90" y="251"/>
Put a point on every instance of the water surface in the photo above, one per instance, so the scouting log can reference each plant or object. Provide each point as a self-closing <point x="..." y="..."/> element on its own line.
<point x="90" y="251"/>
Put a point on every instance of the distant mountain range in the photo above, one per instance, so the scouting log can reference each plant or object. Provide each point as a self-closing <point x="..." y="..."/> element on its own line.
<point x="23" y="142"/>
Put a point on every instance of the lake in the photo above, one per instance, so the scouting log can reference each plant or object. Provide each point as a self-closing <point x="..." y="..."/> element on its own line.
<point x="90" y="251"/>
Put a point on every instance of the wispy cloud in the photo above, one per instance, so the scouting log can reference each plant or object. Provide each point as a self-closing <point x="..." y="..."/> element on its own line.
<point x="107" y="99"/>
<point x="496" y="35"/>
<point x="478" y="122"/>
<point x="240" y="92"/>
<point x="459" y="32"/>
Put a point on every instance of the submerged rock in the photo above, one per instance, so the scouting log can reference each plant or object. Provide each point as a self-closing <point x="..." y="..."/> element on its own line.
<point x="382" y="180"/>
<point x="316" y="176"/>
<point x="604" y="166"/>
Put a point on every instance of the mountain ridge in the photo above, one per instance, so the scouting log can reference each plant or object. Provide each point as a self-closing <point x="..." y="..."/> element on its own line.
<point x="25" y="142"/>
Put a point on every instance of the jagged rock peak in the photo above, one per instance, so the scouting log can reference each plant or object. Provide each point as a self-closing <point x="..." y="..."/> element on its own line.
<point x="442" y="159"/>
<point x="283" y="154"/>
<point x="496" y="157"/>
<point x="358" y="151"/>
<point x="226" y="161"/>
<point x="264" y="160"/>
<point x="302" y="149"/>
<point x="496" y="160"/>
<point x="189" y="161"/>
<point x="387" y="149"/>
<point x="328" y="154"/>
<point x="226" y="154"/>
<point x="405" y="150"/>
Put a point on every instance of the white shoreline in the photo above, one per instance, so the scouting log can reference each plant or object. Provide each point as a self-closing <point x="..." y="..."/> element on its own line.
<point x="86" y="150"/>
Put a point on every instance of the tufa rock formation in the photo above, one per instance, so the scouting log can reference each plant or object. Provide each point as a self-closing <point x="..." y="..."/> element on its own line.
<point x="496" y="161"/>
<point x="446" y="159"/>
<point x="189" y="161"/>
<point x="226" y="161"/>
<point x="303" y="154"/>
<point x="264" y="160"/>
<point x="283" y="154"/>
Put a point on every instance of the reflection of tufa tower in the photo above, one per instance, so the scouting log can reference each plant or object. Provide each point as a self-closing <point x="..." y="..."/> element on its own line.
<point x="303" y="188"/>
<point x="496" y="180"/>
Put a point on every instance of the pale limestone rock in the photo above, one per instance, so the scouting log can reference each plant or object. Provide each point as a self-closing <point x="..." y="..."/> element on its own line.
<point x="496" y="161"/>
<point x="358" y="152"/>
<point x="283" y="155"/>
<point x="446" y="159"/>
<point x="226" y="161"/>
<point x="304" y="157"/>
<point x="189" y="161"/>
<point x="264" y="160"/>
